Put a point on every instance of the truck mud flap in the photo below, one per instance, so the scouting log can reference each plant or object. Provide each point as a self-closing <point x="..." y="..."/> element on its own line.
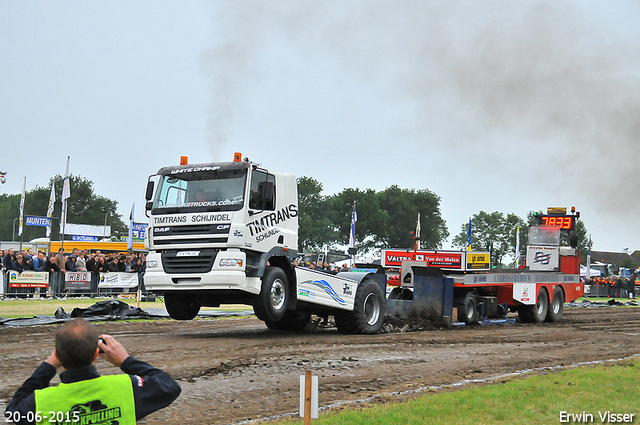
<point x="432" y="298"/>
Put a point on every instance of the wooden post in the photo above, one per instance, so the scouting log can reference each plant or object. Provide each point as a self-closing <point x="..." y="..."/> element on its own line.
<point x="307" y="397"/>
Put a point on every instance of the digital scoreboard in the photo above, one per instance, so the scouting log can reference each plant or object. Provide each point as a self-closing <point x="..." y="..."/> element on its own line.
<point x="558" y="217"/>
<point x="566" y="222"/>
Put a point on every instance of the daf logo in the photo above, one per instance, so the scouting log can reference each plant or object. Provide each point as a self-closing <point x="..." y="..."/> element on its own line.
<point x="223" y="226"/>
<point x="161" y="229"/>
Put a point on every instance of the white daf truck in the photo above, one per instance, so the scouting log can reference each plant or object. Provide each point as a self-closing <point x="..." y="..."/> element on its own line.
<point x="226" y="233"/>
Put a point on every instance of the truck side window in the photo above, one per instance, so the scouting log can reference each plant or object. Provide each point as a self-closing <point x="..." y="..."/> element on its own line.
<point x="261" y="198"/>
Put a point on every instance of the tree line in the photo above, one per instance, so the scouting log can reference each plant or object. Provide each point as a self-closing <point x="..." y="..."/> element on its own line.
<point x="385" y="219"/>
<point x="83" y="207"/>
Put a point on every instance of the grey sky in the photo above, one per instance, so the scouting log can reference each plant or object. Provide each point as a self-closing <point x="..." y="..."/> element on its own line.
<point x="498" y="105"/>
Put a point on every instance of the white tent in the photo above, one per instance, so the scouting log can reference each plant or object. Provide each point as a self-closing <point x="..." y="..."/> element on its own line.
<point x="592" y="272"/>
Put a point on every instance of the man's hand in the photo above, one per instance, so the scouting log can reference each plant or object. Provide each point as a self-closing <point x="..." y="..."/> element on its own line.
<point x="53" y="360"/>
<point x="114" y="352"/>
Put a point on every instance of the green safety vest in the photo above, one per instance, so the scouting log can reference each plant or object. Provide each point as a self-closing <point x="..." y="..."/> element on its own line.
<point x="102" y="400"/>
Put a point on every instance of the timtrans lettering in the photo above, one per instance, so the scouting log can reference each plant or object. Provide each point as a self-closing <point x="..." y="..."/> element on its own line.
<point x="170" y="220"/>
<point x="273" y="219"/>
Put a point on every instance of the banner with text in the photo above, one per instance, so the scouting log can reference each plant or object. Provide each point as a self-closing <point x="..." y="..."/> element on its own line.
<point x="77" y="280"/>
<point x="118" y="280"/>
<point x="28" y="279"/>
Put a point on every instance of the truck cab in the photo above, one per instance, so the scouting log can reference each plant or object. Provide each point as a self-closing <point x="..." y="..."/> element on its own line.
<point x="214" y="230"/>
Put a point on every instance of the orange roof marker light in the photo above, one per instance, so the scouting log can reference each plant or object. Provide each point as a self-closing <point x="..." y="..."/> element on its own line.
<point x="237" y="157"/>
<point x="184" y="160"/>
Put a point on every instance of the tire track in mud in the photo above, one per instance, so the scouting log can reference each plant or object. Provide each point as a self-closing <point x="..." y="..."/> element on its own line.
<point x="235" y="369"/>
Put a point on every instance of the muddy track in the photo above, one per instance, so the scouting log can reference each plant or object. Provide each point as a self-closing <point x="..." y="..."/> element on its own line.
<point x="235" y="369"/>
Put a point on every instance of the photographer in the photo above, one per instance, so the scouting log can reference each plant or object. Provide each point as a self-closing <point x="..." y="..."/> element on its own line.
<point x="84" y="396"/>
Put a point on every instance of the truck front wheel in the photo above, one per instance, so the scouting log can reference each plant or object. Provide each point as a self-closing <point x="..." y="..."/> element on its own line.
<point x="271" y="304"/>
<point x="293" y="320"/>
<point x="367" y="316"/>
<point x="181" y="306"/>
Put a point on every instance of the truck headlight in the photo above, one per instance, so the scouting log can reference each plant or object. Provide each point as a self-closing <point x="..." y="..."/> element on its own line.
<point x="153" y="264"/>
<point x="230" y="262"/>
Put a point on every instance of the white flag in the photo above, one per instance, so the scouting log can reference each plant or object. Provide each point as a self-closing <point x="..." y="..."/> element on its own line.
<point x="131" y="217"/>
<point x="66" y="193"/>
<point x="352" y="231"/>
<point x="52" y="200"/>
<point x="24" y="186"/>
<point x="66" y="187"/>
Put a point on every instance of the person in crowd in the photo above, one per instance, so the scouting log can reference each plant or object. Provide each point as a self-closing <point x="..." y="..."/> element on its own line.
<point x="28" y="264"/>
<point x="39" y="262"/>
<point x="122" y="263"/>
<point x="60" y="260"/>
<point x="91" y="263"/>
<point x="2" y="259"/>
<point x="101" y="265"/>
<point x="113" y="266"/>
<point x="81" y="261"/>
<point x="84" y="394"/>
<point x="51" y="264"/>
<point x="19" y="264"/>
<point x="71" y="265"/>
<point x="8" y="260"/>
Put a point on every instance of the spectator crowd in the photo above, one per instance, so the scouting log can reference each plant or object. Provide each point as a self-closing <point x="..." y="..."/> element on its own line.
<point x="76" y="261"/>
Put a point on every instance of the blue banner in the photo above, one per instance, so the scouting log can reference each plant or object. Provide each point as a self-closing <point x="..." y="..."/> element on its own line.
<point x="37" y="221"/>
<point x="83" y="238"/>
<point x="138" y="230"/>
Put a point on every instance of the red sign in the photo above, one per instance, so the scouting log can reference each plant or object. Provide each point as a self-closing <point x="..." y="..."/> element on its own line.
<point x="445" y="260"/>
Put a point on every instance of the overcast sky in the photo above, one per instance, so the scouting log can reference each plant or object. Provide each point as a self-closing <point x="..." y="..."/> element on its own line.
<point x="495" y="105"/>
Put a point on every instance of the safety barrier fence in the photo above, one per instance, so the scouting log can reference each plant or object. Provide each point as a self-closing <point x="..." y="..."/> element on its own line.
<point x="35" y="284"/>
<point x="618" y="289"/>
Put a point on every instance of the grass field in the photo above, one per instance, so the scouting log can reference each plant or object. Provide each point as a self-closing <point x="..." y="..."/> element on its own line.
<point x="590" y="393"/>
<point x="12" y="308"/>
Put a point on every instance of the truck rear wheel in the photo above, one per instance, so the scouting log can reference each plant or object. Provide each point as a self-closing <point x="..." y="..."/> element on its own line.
<point x="367" y="316"/>
<point x="271" y="304"/>
<point x="293" y="320"/>
<point x="182" y="306"/>
<point x="535" y="313"/>
<point x="557" y="305"/>
<point x="469" y="309"/>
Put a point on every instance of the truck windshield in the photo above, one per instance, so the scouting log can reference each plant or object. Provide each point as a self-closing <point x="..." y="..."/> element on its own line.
<point x="220" y="190"/>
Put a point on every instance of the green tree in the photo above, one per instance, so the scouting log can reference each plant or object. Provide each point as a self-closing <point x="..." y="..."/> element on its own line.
<point x="84" y="207"/>
<point x="492" y="232"/>
<point x="401" y="208"/>
<point x="371" y="218"/>
<point x="314" y="226"/>
<point x="386" y="219"/>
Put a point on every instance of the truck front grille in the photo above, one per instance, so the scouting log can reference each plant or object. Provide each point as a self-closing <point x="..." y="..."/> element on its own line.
<point x="191" y="234"/>
<point x="175" y="262"/>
